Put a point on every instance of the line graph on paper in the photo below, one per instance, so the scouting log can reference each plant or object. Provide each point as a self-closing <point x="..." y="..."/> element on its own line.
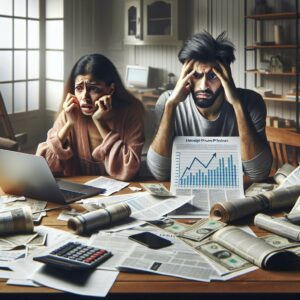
<point x="213" y="169"/>
<point x="209" y="168"/>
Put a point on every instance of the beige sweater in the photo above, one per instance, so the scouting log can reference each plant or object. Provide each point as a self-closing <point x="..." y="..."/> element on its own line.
<point x="118" y="155"/>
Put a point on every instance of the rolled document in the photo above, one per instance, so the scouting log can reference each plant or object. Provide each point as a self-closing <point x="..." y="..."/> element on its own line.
<point x="99" y="218"/>
<point x="235" y="209"/>
<point x="283" y="172"/>
<point x="278" y="226"/>
<point x="17" y="220"/>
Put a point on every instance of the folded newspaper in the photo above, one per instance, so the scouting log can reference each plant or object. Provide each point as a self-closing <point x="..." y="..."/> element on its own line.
<point x="255" y="250"/>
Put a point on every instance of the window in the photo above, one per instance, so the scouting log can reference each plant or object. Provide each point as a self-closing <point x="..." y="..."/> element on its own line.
<point x="20" y="54"/>
<point x="54" y="53"/>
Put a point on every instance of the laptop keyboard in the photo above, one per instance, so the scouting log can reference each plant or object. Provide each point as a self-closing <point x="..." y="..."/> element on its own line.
<point x="68" y="195"/>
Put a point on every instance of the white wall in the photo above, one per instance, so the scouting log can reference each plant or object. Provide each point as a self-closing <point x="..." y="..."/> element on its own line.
<point x="97" y="26"/>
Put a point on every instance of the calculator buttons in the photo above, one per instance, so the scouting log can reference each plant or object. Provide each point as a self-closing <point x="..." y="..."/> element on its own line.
<point x="74" y="255"/>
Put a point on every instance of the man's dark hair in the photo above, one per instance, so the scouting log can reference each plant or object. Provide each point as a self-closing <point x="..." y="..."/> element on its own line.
<point x="204" y="48"/>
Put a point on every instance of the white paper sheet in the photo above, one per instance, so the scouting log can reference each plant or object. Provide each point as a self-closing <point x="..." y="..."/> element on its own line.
<point x="144" y="206"/>
<point x="209" y="168"/>
<point x="111" y="185"/>
<point x="96" y="283"/>
<point x="292" y="179"/>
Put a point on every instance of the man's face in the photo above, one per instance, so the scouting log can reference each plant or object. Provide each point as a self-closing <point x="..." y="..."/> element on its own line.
<point x="205" y="85"/>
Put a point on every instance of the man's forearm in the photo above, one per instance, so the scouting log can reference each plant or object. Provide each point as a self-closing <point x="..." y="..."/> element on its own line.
<point x="251" y="143"/>
<point x="162" y="143"/>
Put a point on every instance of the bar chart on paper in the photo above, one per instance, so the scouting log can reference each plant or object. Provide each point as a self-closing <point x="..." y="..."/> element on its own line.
<point x="206" y="164"/>
<point x="210" y="170"/>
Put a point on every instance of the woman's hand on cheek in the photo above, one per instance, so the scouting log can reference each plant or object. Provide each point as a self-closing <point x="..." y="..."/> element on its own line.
<point x="69" y="107"/>
<point x="104" y="108"/>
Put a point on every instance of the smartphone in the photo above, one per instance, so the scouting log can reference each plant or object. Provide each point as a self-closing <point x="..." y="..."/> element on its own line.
<point x="150" y="240"/>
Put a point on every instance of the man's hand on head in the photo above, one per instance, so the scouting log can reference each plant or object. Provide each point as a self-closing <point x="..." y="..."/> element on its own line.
<point x="224" y="74"/>
<point x="183" y="85"/>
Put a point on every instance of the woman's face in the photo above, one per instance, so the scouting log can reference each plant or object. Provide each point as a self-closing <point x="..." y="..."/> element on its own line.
<point x="87" y="91"/>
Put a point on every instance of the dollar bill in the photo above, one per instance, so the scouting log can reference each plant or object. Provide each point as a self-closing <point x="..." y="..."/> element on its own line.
<point x="171" y="225"/>
<point x="17" y="220"/>
<point x="279" y="241"/>
<point x="222" y="256"/>
<point x="259" y="187"/>
<point x="202" y="229"/>
<point x="157" y="189"/>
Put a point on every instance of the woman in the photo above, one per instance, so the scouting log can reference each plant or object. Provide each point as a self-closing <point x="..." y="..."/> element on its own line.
<point x="99" y="129"/>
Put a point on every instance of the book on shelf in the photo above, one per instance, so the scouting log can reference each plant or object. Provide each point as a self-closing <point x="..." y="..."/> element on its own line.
<point x="291" y="96"/>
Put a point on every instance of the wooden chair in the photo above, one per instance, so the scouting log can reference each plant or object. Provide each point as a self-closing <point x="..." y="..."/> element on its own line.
<point x="284" y="144"/>
<point x="8" y="141"/>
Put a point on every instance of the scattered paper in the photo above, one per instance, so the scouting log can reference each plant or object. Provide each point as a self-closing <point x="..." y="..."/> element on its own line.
<point x="208" y="168"/>
<point x="110" y="185"/>
<point x="10" y="198"/>
<point x="96" y="283"/>
<point x="292" y="179"/>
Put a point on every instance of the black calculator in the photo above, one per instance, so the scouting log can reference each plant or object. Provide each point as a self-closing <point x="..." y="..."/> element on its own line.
<point x="75" y="256"/>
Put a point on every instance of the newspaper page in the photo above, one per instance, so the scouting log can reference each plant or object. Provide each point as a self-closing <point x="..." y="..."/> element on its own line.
<point x="16" y="220"/>
<point x="294" y="215"/>
<point x="177" y="260"/>
<point x="253" y="249"/>
<point x="292" y="179"/>
<point x="209" y="168"/>
<point x="116" y="242"/>
<point x="280" y="226"/>
<point x="225" y="261"/>
<point x="144" y="206"/>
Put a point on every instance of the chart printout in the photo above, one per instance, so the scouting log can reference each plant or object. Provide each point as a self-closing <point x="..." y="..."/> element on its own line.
<point x="210" y="168"/>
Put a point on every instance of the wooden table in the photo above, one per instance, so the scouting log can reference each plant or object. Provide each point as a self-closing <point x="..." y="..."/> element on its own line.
<point x="143" y="286"/>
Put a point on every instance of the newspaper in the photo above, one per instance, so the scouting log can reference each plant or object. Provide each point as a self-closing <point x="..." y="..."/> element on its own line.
<point x="235" y="209"/>
<point x="16" y="220"/>
<point x="280" y="226"/>
<point x="294" y="215"/>
<point x="292" y="179"/>
<point x="283" y="172"/>
<point x="253" y="249"/>
<point x="144" y="206"/>
<point x="36" y="206"/>
<point x="177" y="260"/>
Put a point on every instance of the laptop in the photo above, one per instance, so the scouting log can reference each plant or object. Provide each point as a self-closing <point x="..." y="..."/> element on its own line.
<point x="30" y="176"/>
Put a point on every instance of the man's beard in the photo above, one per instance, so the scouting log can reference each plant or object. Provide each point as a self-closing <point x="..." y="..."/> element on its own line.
<point x="206" y="102"/>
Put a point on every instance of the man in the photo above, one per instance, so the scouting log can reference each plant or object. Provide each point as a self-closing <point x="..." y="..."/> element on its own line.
<point x="205" y="102"/>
